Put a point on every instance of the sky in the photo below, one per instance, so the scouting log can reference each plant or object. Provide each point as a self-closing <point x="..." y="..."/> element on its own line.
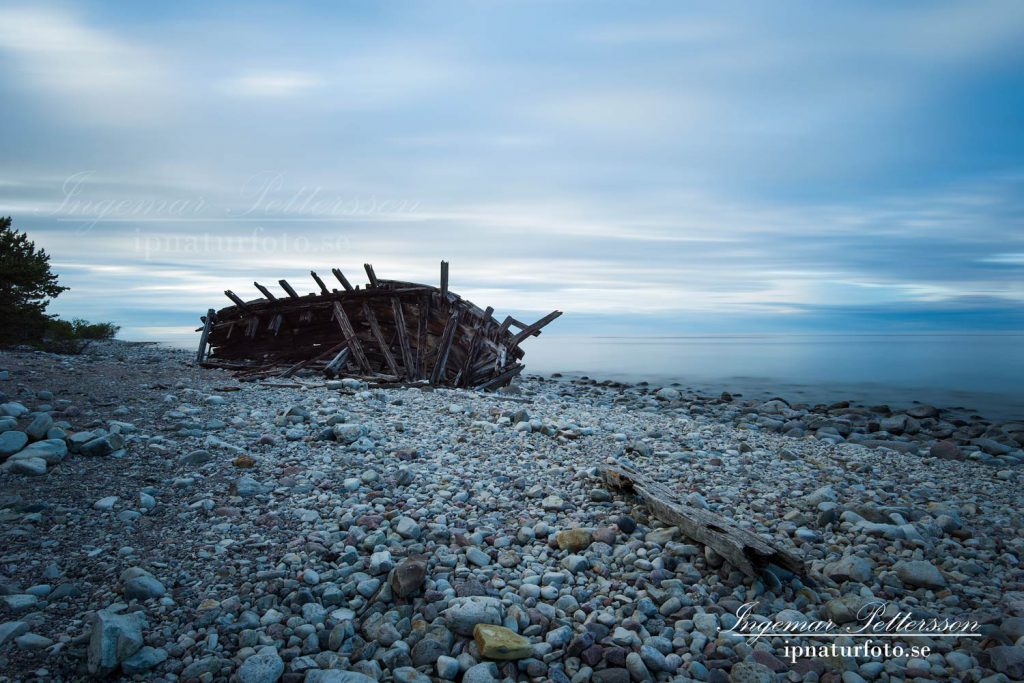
<point x="648" y="168"/>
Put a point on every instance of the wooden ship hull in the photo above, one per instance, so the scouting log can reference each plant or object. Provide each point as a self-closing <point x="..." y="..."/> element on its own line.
<point x="386" y="331"/>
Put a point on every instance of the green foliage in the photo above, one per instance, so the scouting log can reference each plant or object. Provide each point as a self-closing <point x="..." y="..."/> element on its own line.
<point x="26" y="287"/>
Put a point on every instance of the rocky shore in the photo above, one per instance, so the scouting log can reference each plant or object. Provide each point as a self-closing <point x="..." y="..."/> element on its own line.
<point x="161" y="522"/>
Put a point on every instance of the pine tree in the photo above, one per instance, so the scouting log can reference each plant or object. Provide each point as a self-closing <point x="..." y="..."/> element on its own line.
<point x="26" y="286"/>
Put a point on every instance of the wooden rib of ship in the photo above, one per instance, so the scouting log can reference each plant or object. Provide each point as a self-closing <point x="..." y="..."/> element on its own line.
<point x="386" y="331"/>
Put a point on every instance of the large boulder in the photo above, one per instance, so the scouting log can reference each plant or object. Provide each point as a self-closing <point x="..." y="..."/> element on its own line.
<point x="115" y="638"/>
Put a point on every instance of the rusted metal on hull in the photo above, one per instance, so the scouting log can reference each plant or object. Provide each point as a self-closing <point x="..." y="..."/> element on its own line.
<point x="386" y="331"/>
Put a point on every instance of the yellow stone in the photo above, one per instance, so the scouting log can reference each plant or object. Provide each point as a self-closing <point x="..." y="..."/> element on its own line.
<point x="574" y="540"/>
<point x="244" y="461"/>
<point x="498" y="642"/>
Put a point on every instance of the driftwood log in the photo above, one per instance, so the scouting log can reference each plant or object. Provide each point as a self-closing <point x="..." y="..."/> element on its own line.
<point x="744" y="549"/>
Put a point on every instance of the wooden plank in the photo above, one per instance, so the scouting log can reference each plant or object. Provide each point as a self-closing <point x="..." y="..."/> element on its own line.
<point x="303" y="363"/>
<point x="350" y="336"/>
<point x="384" y="348"/>
<point x="501" y="379"/>
<point x="423" y="312"/>
<point x="444" y="279"/>
<point x="319" y="282"/>
<point x="371" y="275"/>
<point x="288" y="288"/>
<point x="745" y="550"/>
<point x="533" y="329"/>
<point x="333" y="368"/>
<point x="408" y="360"/>
<point x="342" y="279"/>
<point x="443" y="348"/>
<point x="265" y="292"/>
<point x="207" y="324"/>
<point x="236" y="299"/>
<point x="275" y="324"/>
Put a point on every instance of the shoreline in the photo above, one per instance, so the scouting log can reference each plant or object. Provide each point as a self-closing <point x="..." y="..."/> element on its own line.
<point x="345" y="533"/>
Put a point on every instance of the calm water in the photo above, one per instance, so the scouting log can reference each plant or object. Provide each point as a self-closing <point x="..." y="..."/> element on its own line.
<point x="983" y="372"/>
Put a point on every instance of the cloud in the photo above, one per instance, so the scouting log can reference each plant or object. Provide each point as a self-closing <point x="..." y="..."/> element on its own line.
<point x="98" y="76"/>
<point x="273" y="84"/>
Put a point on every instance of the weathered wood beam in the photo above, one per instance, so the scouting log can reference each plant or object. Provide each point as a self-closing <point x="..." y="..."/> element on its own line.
<point x="303" y="363"/>
<point x="444" y="279"/>
<point x="389" y="358"/>
<point x="334" y="367"/>
<point x="350" y="336"/>
<point x="533" y="329"/>
<point x="288" y="288"/>
<point x="371" y="275"/>
<point x="342" y="279"/>
<point x="408" y="360"/>
<point x="236" y="299"/>
<point x="265" y="292"/>
<point x="207" y="324"/>
<point x="501" y="379"/>
<point x="319" y="282"/>
<point x="443" y="348"/>
<point x="423" y="313"/>
<point x="745" y="550"/>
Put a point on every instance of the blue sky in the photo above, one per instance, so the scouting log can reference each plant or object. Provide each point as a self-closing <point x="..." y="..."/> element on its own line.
<point x="651" y="167"/>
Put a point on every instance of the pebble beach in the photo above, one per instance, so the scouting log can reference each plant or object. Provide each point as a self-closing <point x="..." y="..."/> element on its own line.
<point x="161" y="522"/>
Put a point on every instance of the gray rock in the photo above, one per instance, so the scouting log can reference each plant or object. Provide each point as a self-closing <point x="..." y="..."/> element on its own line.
<point x="13" y="409"/>
<point x="11" y="629"/>
<point x="407" y="674"/>
<point x="50" y="450"/>
<point x="106" y="503"/>
<point x="206" y="665"/>
<point x="447" y="668"/>
<point x="751" y="672"/>
<point x="427" y="651"/>
<point x="920" y="574"/>
<point x="477" y="556"/>
<point x="465" y="613"/>
<point x="406" y="527"/>
<point x="102" y="445"/>
<point x="33" y="641"/>
<point x="336" y="676"/>
<point x="37" y="429"/>
<point x="21" y="602"/>
<point x="485" y="672"/>
<point x="636" y="668"/>
<point x="246" y="486"/>
<point x="1007" y="659"/>
<point x="145" y="659"/>
<point x="11" y="442"/>
<point x="30" y="467"/>
<point x="946" y="450"/>
<point x="849" y="568"/>
<point x="115" y="637"/>
<point x="348" y="433"/>
<point x="266" y="667"/>
<point x="197" y="457"/>
<point x="143" y="587"/>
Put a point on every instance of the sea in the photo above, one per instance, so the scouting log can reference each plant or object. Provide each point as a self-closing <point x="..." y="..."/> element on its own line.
<point x="983" y="373"/>
<point x="979" y="372"/>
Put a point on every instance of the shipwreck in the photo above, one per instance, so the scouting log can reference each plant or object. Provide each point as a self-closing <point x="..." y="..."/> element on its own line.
<point x="386" y="331"/>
